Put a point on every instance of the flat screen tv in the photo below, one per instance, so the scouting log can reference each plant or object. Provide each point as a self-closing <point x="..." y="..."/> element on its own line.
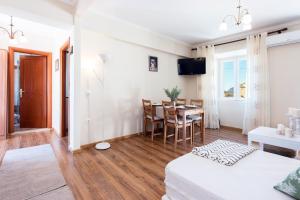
<point x="191" y="66"/>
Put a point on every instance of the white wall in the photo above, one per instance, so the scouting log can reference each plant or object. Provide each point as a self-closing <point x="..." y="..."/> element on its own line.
<point x="56" y="84"/>
<point x="191" y="86"/>
<point x="35" y="41"/>
<point x="46" y="43"/>
<point x="130" y="47"/>
<point x="231" y="113"/>
<point x="284" y="63"/>
<point x="127" y="80"/>
<point x="75" y="88"/>
<point x="48" y="12"/>
<point x="131" y="33"/>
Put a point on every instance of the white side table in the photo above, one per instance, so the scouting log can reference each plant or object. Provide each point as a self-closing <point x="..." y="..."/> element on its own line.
<point x="266" y="135"/>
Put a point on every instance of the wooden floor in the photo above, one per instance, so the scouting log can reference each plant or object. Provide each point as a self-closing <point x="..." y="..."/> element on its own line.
<point x="132" y="169"/>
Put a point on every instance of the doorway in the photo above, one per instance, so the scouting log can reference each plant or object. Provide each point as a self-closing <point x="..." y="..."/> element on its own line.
<point x="30" y="89"/>
<point x="65" y="88"/>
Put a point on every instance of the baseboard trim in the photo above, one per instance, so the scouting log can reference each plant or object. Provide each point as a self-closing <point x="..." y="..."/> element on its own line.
<point x="76" y="151"/>
<point x="85" y="146"/>
<point x="231" y="128"/>
<point x="33" y="130"/>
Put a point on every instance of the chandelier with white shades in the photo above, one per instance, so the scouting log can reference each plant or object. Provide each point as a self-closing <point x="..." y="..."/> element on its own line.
<point x="242" y="19"/>
<point x="15" y="36"/>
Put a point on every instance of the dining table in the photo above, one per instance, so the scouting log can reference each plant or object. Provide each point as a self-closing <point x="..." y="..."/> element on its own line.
<point x="183" y="111"/>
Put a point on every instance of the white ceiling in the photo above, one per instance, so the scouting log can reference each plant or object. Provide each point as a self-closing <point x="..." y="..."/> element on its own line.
<point x="29" y="27"/>
<point x="70" y="2"/>
<point x="195" y="21"/>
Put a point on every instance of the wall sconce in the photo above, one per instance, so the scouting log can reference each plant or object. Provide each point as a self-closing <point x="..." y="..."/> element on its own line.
<point x="104" y="57"/>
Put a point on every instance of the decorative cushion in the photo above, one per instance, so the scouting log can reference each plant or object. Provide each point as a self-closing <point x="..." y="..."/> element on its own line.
<point x="290" y="185"/>
<point x="179" y="121"/>
<point x="194" y="117"/>
<point x="223" y="151"/>
<point x="155" y="117"/>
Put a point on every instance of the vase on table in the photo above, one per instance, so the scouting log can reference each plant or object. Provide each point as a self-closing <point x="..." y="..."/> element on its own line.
<point x="173" y="95"/>
<point x="297" y="126"/>
<point x="292" y="121"/>
<point x="173" y="103"/>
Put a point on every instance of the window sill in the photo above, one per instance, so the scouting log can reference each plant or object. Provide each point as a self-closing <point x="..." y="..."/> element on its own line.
<point x="232" y="99"/>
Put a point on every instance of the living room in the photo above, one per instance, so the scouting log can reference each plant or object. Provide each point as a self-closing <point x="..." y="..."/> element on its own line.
<point x="150" y="99"/>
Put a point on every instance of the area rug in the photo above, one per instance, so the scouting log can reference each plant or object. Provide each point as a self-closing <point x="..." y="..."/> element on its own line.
<point x="32" y="173"/>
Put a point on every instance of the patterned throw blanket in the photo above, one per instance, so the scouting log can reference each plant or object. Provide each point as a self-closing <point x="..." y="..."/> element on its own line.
<point x="223" y="151"/>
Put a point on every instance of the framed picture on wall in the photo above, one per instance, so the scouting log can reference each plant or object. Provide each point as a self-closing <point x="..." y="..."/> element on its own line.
<point x="56" y="65"/>
<point x="153" y="64"/>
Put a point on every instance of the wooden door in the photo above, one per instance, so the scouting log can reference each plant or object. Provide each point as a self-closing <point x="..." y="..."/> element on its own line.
<point x="3" y="93"/>
<point x="65" y="85"/>
<point x="33" y="92"/>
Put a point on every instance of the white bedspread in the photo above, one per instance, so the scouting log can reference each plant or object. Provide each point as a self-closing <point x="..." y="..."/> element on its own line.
<point x="191" y="177"/>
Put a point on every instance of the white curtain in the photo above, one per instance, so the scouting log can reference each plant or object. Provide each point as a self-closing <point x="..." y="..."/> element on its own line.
<point x="257" y="104"/>
<point x="207" y="87"/>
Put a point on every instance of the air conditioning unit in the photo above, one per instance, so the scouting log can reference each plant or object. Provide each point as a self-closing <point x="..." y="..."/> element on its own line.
<point x="283" y="38"/>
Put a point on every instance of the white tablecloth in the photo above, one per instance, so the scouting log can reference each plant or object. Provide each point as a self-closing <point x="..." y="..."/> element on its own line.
<point x="160" y="112"/>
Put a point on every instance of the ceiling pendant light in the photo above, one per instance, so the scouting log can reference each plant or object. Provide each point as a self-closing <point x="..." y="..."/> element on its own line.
<point x="247" y="27"/>
<point x="243" y="18"/>
<point x="15" y="36"/>
<point x="223" y="26"/>
<point x="247" y="19"/>
<point x="13" y="41"/>
<point x="23" y="39"/>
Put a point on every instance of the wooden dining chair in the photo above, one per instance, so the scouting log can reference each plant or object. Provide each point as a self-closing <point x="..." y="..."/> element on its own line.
<point x="197" y="119"/>
<point x="171" y="120"/>
<point x="197" y="102"/>
<point x="165" y="103"/>
<point x="181" y="101"/>
<point x="149" y="116"/>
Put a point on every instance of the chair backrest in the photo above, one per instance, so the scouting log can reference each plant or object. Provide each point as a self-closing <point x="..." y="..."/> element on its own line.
<point x="170" y="114"/>
<point x="147" y="105"/>
<point x="165" y="103"/>
<point x="181" y="101"/>
<point x="197" y="102"/>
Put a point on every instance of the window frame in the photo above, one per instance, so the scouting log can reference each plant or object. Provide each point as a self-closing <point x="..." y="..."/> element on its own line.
<point x="236" y="68"/>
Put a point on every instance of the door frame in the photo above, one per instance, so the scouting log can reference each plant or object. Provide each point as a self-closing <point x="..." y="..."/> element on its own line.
<point x="64" y="48"/>
<point x="3" y="95"/>
<point x="10" y="91"/>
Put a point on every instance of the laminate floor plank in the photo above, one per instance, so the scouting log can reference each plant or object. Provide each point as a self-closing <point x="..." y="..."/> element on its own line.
<point x="133" y="168"/>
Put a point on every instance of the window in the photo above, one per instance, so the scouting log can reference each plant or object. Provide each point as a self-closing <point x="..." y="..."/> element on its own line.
<point x="233" y="77"/>
<point x="242" y="77"/>
<point x="228" y="78"/>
